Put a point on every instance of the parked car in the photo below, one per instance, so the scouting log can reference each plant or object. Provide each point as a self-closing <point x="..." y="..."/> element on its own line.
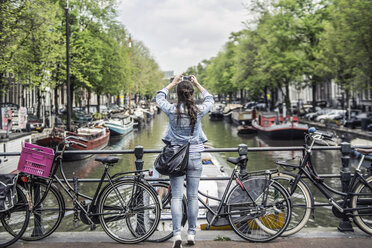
<point x="313" y="115"/>
<point x="356" y="121"/>
<point x="250" y="105"/>
<point x="34" y="123"/>
<point x="369" y="127"/>
<point x="332" y="115"/>
<point x="261" y="106"/>
<point x="306" y="109"/>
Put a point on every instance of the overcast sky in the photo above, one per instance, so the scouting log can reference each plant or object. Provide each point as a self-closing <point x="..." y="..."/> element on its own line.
<point x="181" y="33"/>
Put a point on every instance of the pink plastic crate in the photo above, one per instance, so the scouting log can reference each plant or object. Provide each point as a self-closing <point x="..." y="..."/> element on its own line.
<point x="36" y="160"/>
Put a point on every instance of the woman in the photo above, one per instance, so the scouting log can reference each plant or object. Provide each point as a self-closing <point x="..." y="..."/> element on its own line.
<point x="182" y="116"/>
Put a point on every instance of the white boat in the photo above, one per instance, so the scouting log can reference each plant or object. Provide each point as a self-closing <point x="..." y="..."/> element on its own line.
<point x="119" y="126"/>
<point x="139" y="117"/>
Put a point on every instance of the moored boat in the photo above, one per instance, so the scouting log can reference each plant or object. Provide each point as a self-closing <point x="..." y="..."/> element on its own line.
<point x="98" y="138"/>
<point x="246" y="129"/>
<point x="243" y="116"/>
<point x="227" y="111"/>
<point x="274" y="126"/>
<point x="119" y="126"/>
<point x="216" y="113"/>
<point x="139" y="117"/>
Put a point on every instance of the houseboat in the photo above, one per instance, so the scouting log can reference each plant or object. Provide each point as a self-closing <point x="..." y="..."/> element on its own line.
<point x="243" y="116"/>
<point x="216" y="113"/>
<point x="274" y="126"/>
<point x="227" y="111"/>
<point x="98" y="138"/>
<point x="246" y="129"/>
<point x="119" y="126"/>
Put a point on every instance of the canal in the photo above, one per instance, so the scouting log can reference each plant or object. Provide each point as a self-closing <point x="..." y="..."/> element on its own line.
<point x="221" y="135"/>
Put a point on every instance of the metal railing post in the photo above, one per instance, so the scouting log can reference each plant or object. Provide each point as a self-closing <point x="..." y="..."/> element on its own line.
<point x="140" y="228"/>
<point x="38" y="225"/>
<point x="345" y="224"/>
<point x="138" y="152"/>
<point x="243" y="151"/>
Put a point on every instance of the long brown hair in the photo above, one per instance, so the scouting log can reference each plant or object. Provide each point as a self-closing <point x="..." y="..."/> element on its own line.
<point x="185" y="92"/>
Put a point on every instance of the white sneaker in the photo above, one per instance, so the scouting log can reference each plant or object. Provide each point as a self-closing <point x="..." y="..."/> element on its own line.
<point x="191" y="239"/>
<point x="177" y="241"/>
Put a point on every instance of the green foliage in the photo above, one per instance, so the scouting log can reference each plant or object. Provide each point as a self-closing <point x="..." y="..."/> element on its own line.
<point x="98" y="116"/>
<point x="146" y="76"/>
<point x="33" y="47"/>
<point x="295" y="43"/>
<point x="291" y="43"/>
<point x="222" y="238"/>
<point x="347" y="43"/>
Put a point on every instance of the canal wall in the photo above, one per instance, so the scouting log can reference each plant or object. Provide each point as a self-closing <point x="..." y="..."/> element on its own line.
<point x="344" y="133"/>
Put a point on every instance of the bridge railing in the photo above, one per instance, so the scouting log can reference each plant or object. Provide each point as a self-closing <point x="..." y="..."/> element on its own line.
<point x="345" y="148"/>
<point x="345" y="173"/>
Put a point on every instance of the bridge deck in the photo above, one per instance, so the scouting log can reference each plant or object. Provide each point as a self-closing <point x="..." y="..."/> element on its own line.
<point x="309" y="237"/>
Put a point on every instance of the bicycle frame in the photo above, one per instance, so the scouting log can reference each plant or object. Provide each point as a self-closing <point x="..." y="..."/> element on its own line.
<point x="222" y="202"/>
<point x="306" y="168"/>
<point x="73" y="194"/>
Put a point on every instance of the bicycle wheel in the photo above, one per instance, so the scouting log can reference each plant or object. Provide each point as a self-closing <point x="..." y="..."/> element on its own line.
<point x="13" y="222"/>
<point x="261" y="214"/>
<point x="164" y="231"/>
<point x="363" y="199"/>
<point x="46" y="216"/>
<point x="301" y="201"/>
<point x="129" y="211"/>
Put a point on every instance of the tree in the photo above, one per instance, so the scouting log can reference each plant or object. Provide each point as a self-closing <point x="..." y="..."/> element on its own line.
<point x="347" y="45"/>
<point x="220" y="71"/>
<point x="280" y="56"/>
<point x="248" y="72"/>
<point x="35" y="58"/>
<point x="146" y="75"/>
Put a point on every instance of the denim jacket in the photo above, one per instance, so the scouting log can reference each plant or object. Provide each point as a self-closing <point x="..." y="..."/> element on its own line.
<point x="180" y="134"/>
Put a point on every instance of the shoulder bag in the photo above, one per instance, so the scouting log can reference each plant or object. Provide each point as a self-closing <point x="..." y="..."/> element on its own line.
<point x="173" y="160"/>
<point x="8" y="191"/>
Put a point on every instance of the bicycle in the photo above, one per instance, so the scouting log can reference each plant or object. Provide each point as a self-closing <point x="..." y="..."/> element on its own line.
<point x="356" y="203"/>
<point x="14" y="221"/>
<point x="257" y="208"/>
<point x="127" y="207"/>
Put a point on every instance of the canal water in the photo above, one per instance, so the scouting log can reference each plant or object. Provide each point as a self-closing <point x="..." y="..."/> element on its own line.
<point x="221" y="135"/>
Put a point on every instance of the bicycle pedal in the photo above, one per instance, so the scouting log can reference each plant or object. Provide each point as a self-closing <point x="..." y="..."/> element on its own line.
<point x="208" y="227"/>
<point x="93" y="227"/>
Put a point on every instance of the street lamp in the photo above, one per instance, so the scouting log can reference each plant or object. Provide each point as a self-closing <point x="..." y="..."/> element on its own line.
<point x="130" y="69"/>
<point x="68" y="65"/>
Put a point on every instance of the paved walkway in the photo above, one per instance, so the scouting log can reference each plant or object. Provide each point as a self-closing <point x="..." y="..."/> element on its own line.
<point x="319" y="238"/>
<point x="11" y="144"/>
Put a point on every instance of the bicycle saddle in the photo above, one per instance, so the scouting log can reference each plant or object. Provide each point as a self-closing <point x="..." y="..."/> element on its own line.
<point x="107" y="160"/>
<point x="364" y="151"/>
<point x="236" y="160"/>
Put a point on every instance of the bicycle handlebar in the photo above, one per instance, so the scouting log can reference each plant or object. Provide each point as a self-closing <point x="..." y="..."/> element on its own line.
<point x="312" y="130"/>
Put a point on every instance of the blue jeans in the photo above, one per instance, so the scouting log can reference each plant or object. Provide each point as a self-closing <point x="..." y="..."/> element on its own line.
<point x="193" y="174"/>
